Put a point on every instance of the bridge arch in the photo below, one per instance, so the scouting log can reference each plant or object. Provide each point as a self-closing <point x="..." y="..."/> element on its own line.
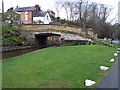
<point x="47" y="39"/>
<point x="37" y="34"/>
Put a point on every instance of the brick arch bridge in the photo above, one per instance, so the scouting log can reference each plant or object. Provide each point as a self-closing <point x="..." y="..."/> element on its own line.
<point x="40" y="35"/>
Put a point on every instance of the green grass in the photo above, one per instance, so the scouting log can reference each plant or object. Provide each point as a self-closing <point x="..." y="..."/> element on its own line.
<point x="66" y="67"/>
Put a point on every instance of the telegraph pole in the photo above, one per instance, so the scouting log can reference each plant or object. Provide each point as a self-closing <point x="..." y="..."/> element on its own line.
<point x="2" y="10"/>
<point x="119" y="12"/>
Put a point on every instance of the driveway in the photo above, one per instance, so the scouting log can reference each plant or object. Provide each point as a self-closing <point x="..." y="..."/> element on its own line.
<point x="111" y="80"/>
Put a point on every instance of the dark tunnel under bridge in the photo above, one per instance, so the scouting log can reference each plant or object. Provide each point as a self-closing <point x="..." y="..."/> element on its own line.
<point x="43" y="40"/>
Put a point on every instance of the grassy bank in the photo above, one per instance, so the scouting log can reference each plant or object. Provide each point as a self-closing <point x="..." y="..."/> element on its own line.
<point x="11" y="37"/>
<point x="57" y="67"/>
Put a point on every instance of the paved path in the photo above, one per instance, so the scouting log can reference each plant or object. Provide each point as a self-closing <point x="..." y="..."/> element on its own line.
<point x="111" y="80"/>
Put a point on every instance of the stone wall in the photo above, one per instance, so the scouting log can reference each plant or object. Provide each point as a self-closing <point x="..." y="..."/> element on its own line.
<point x="57" y="28"/>
<point x="29" y="35"/>
<point x="69" y="33"/>
<point x="49" y="28"/>
<point x="27" y="15"/>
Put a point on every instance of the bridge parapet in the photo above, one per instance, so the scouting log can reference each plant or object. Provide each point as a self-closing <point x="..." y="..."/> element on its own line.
<point x="56" y="28"/>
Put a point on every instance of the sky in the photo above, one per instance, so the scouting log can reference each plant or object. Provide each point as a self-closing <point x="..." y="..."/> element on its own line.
<point x="49" y="4"/>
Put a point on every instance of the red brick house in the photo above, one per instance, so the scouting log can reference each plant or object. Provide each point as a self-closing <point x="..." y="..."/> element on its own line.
<point x="28" y="13"/>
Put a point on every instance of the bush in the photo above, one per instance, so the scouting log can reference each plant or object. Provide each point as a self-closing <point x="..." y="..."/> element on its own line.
<point x="11" y="36"/>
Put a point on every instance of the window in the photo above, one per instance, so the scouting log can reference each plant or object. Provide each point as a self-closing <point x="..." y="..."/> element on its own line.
<point x="26" y="12"/>
<point x="26" y="17"/>
<point x="47" y="17"/>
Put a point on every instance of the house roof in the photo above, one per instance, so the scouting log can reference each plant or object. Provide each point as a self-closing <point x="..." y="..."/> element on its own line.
<point x="19" y="9"/>
<point x="40" y="14"/>
<point x="51" y="11"/>
<point x="55" y="23"/>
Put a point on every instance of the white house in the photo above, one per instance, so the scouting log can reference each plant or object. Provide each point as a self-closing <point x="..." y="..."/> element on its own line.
<point x="42" y="17"/>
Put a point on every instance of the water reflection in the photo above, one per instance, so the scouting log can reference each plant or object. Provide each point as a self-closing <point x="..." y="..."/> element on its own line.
<point x="14" y="53"/>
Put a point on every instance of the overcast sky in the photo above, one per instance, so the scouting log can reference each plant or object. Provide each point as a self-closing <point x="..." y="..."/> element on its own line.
<point x="49" y="4"/>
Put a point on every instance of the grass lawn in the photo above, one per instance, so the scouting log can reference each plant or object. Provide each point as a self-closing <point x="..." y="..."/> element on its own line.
<point x="66" y="67"/>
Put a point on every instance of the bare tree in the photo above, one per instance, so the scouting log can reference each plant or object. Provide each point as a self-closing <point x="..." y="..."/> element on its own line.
<point x="58" y="7"/>
<point x="85" y="13"/>
<point x="105" y="12"/>
<point x="80" y="9"/>
<point x="71" y="7"/>
<point x="65" y="6"/>
<point x="113" y="18"/>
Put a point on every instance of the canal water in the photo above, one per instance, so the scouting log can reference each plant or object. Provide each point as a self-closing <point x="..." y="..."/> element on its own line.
<point x="13" y="53"/>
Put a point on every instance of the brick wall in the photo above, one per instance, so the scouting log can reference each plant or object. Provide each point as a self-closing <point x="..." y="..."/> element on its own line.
<point x="26" y="17"/>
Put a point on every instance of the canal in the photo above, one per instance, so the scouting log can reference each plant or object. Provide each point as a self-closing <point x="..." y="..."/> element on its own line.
<point x="13" y="53"/>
